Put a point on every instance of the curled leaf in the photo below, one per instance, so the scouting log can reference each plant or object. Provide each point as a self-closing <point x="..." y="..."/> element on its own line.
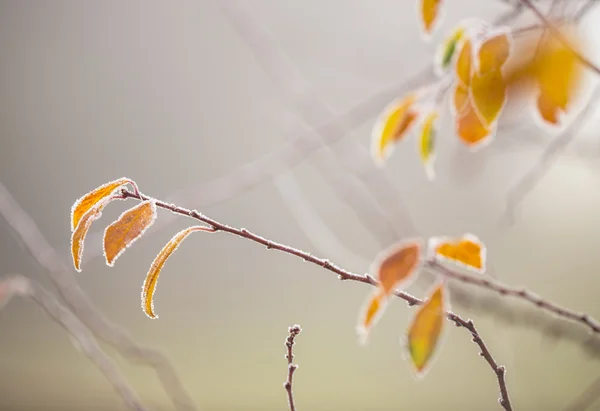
<point x="370" y="314"/>
<point x="396" y="264"/>
<point x="494" y="51"/>
<point x="425" y="330"/>
<point x="488" y="92"/>
<point x="127" y="228"/>
<point x="83" y="204"/>
<point x="149" y="287"/>
<point x="427" y="143"/>
<point x="467" y="251"/>
<point x="429" y="11"/>
<point x="395" y="121"/>
<point x="83" y="226"/>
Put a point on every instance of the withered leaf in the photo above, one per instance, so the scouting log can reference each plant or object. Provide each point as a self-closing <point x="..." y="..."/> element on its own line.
<point x="396" y="264"/>
<point x="149" y="287"/>
<point x="127" y="229"/>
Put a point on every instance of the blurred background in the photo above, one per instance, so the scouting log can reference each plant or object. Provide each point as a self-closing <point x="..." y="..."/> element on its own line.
<point x="177" y="94"/>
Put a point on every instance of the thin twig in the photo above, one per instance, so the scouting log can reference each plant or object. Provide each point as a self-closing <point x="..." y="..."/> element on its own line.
<point x="342" y="275"/>
<point x="559" y="36"/>
<point x="82" y="335"/>
<point x="520" y="293"/>
<point x="289" y="343"/>
<point x="75" y="298"/>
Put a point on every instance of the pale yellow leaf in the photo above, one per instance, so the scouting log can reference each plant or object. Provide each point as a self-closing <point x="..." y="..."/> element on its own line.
<point x="127" y="229"/>
<point x="393" y="123"/>
<point x="426" y="143"/>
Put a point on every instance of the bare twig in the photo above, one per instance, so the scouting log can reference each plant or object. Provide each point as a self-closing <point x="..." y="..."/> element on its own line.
<point x="520" y="293"/>
<point x="289" y="343"/>
<point x="82" y="335"/>
<point x="328" y="265"/>
<point x="62" y="278"/>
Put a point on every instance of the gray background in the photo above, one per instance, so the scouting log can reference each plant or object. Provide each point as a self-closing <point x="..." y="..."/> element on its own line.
<point x="168" y="94"/>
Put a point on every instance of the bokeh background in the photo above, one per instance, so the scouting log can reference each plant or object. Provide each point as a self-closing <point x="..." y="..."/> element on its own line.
<point x="172" y="96"/>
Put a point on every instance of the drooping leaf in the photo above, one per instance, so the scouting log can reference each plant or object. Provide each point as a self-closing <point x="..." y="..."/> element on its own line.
<point x="83" y="204"/>
<point x="83" y="226"/>
<point x="467" y="251"/>
<point x="396" y="264"/>
<point x="427" y="143"/>
<point x="488" y="92"/>
<point x="494" y="51"/>
<point x="429" y="11"/>
<point x="370" y="314"/>
<point x="470" y="129"/>
<point x="464" y="63"/>
<point x="149" y="287"/>
<point x="425" y="330"/>
<point x="394" y="122"/>
<point x="127" y="229"/>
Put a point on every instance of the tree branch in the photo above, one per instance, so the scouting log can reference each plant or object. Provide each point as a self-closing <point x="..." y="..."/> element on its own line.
<point x="86" y="342"/>
<point x="289" y="342"/>
<point x="342" y="275"/>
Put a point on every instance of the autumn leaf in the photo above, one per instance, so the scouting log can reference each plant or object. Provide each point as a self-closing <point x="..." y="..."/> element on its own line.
<point x="395" y="121"/>
<point x="127" y="229"/>
<point x="426" y="144"/>
<point x="425" y="330"/>
<point x="488" y="92"/>
<point x="149" y="286"/>
<point x="470" y="129"/>
<point x="494" y="51"/>
<point x="370" y="314"/>
<point x="83" y="226"/>
<point x="429" y="11"/>
<point x="467" y="251"/>
<point x="396" y="264"/>
<point x="460" y="98"/>
<point x="85" y="203"/>
<point x="464" y="63"/>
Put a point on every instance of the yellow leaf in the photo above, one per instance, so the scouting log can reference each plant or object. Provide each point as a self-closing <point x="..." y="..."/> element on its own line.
<point x="464" y="63"/>
<point x="83" y="226"/>
<point x="128" y="228"/>
<point x="425" y="330"/>
<point x="460" y="98"/>
<point x="494" y="51"/>
<point x="149" y="286"/>
<point x="391" y="126"/>
<point x="470" y="129"/>
<point x="88" y="201"/>
<point x="548" y="111"/>
<point x="488" y="91"/>
<point x="429" y="13"/>
<point x="427" y="143"/>
<point x="467" y="251"/>
<point x="396" y="264"/>
<point x="370" y="314"/>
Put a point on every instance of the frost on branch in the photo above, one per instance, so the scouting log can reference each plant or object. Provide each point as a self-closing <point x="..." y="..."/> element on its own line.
<point x="130" y="226"/>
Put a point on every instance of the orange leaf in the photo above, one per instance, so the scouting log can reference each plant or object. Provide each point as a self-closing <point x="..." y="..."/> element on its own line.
<point x="370" y="314"/>
<point x="547" y="110"/>
<point x="88" y="201"/>
<point x="460" y="98"/>
<point x="149" y="286"/>
<point x="468" y="251"/>
<point x="429" y="14"/>
<point x="470" y="128"/>
<point x="488" y="91"/>
<point x="494" y="51"/>
<point x="425" y="330"/>
<point x="396" y="264"/>
<point x="83" y="226"/>
<point x="395" y="121"/>
<point x="129" y="227"/>
<point x="464" y="63"/>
